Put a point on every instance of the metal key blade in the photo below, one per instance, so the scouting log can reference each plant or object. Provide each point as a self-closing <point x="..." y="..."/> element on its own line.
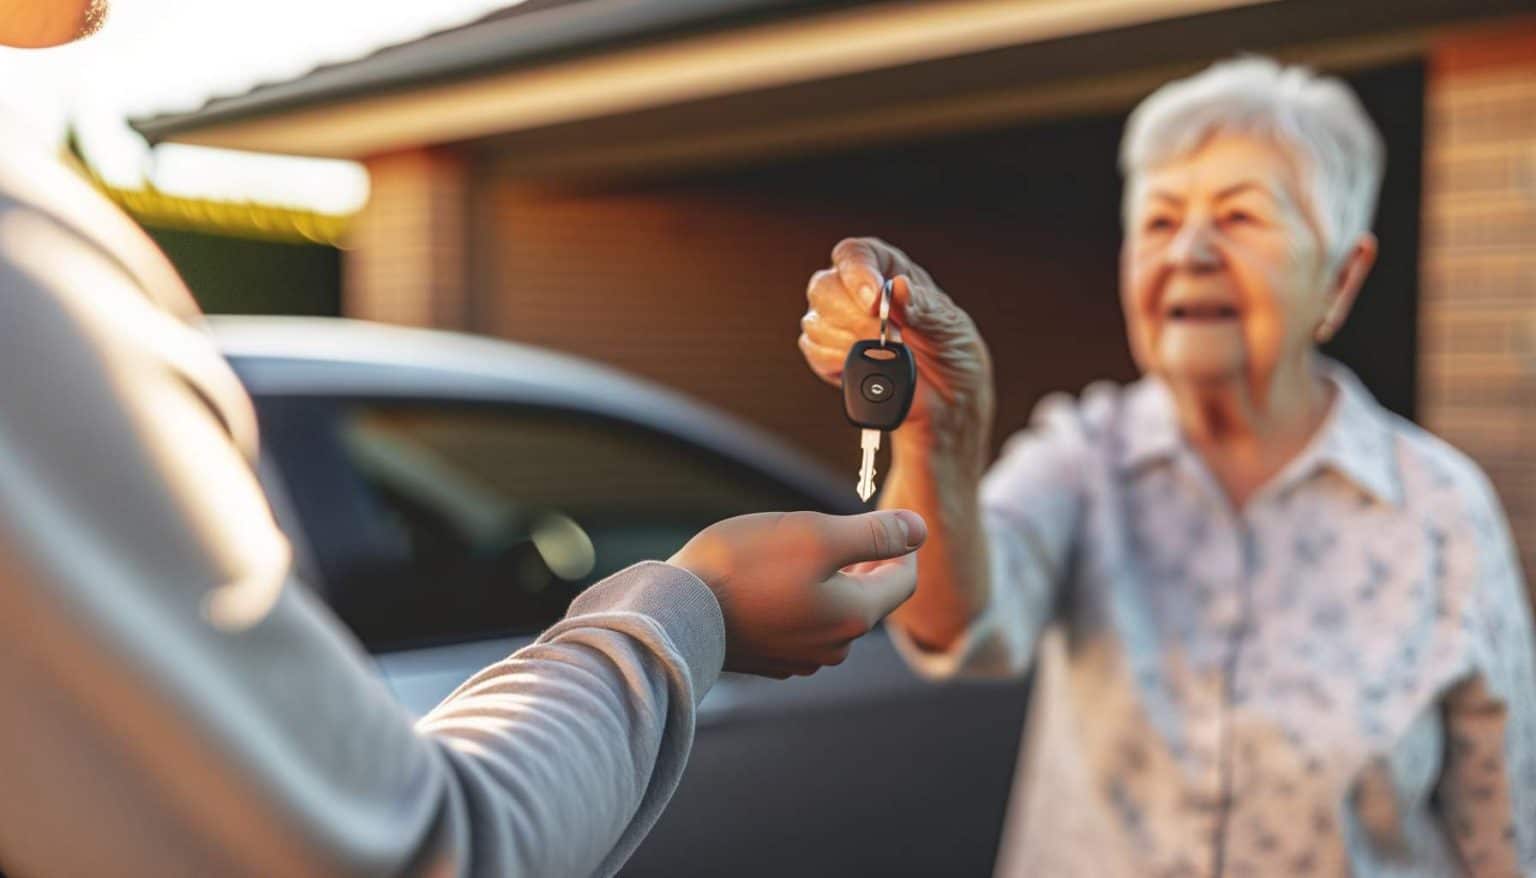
<point x="869" y="440"/>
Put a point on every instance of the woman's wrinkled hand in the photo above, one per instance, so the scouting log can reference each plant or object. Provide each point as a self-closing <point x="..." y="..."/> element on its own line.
<point x="952" y="408"/>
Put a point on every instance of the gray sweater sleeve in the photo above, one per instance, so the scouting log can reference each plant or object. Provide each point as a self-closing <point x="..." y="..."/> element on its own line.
<point x="600" y="708"/>
<point x="174" y="703"/>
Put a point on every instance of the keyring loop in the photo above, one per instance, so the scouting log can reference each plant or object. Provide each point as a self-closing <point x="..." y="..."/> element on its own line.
<point x="885" y="308"/>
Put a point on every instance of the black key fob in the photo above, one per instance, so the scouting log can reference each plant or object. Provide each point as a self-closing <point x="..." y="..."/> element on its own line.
<point x="879" y="381"/>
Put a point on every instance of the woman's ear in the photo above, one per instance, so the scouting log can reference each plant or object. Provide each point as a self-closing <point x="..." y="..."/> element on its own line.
<point x="1347" y="281"/>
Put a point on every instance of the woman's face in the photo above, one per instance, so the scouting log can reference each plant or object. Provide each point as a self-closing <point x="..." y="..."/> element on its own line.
<point x="1224" y="276"/>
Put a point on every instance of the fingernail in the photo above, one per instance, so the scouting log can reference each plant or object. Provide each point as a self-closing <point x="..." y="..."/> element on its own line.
<point x="913" y="529"/>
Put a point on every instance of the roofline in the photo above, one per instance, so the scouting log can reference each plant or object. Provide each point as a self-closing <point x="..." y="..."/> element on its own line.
<point x="500" y="76"/>
<point x="498" y="44"/>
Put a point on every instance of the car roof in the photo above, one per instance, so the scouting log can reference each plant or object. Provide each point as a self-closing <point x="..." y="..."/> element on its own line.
<point x="332" y="356"/>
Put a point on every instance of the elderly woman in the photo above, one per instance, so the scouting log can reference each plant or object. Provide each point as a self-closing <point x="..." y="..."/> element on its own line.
<point x="1275" y="630"/>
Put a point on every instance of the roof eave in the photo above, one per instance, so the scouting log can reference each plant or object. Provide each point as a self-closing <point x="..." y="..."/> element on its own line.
<point x="861" y="71"/>
<point x="539" y="37"/>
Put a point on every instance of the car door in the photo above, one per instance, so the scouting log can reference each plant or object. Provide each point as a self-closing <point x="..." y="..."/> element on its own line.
<point x="447" y="532"/>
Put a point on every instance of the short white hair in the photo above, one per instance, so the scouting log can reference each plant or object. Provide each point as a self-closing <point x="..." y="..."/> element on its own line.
<point x="1317" y="120"/>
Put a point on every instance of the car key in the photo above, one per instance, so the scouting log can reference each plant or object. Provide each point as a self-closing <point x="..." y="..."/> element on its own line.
<point x="879" y="380"/>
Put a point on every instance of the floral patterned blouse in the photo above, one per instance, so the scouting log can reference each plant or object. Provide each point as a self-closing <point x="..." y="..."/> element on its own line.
<point x="1336" y="679"/>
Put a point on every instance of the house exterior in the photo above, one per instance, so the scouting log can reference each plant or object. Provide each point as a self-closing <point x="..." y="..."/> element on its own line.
<point x="651" y="182"/>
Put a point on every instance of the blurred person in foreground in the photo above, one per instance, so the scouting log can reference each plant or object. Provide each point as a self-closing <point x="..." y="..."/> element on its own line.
<point x="1274" y="629"/>
<point x="173" y="703"/>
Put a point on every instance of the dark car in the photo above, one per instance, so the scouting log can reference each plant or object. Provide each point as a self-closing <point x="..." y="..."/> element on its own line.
<point x="448" y="495"/>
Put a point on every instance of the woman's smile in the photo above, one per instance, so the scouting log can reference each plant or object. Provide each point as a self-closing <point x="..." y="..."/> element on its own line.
<point x="1201" y="314"/>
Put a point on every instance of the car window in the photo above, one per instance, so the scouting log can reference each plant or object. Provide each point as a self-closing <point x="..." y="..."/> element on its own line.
<point x="437" y="522"/>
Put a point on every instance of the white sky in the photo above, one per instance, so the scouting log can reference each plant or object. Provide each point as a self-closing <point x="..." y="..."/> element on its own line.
<point x="158" y="56"/>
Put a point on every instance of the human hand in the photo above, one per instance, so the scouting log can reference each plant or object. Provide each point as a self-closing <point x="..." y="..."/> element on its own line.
<point x="952" y="407"/>
<point x="790" y="605"/>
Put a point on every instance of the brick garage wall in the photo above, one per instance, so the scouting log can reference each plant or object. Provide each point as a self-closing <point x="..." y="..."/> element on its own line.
<point x="699" y="282"/>
<point x="1478" y="293"/>
<point x="406" y="257"/>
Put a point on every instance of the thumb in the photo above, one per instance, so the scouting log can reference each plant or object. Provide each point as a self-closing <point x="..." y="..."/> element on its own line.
<point x="872" y="536"/>
<point x="911" y="306"/>
<point x="929" y="313"/>
<point x="862" y="267"/>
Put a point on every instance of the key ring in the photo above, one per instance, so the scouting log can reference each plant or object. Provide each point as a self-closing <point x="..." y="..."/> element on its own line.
<point x="885" y="308"/>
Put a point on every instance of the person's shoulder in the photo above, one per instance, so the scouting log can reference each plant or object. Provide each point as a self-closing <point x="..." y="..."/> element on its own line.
<point x="1440" y="478"/>
<point x="1095" y="412"/>
<point x="71" y="261"/>
<point x="1046" y="468"/>
<point x="47" y="201"/>
<point x="32" y="179"/>
<point x="1459" y="508"/>
<point x="1072" y="433"/>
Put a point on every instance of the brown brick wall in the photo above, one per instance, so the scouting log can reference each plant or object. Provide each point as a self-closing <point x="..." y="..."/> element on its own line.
<point x="699" y="283"/>
<point x="406" y="261"/>
<point x="1478" y="294"/>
